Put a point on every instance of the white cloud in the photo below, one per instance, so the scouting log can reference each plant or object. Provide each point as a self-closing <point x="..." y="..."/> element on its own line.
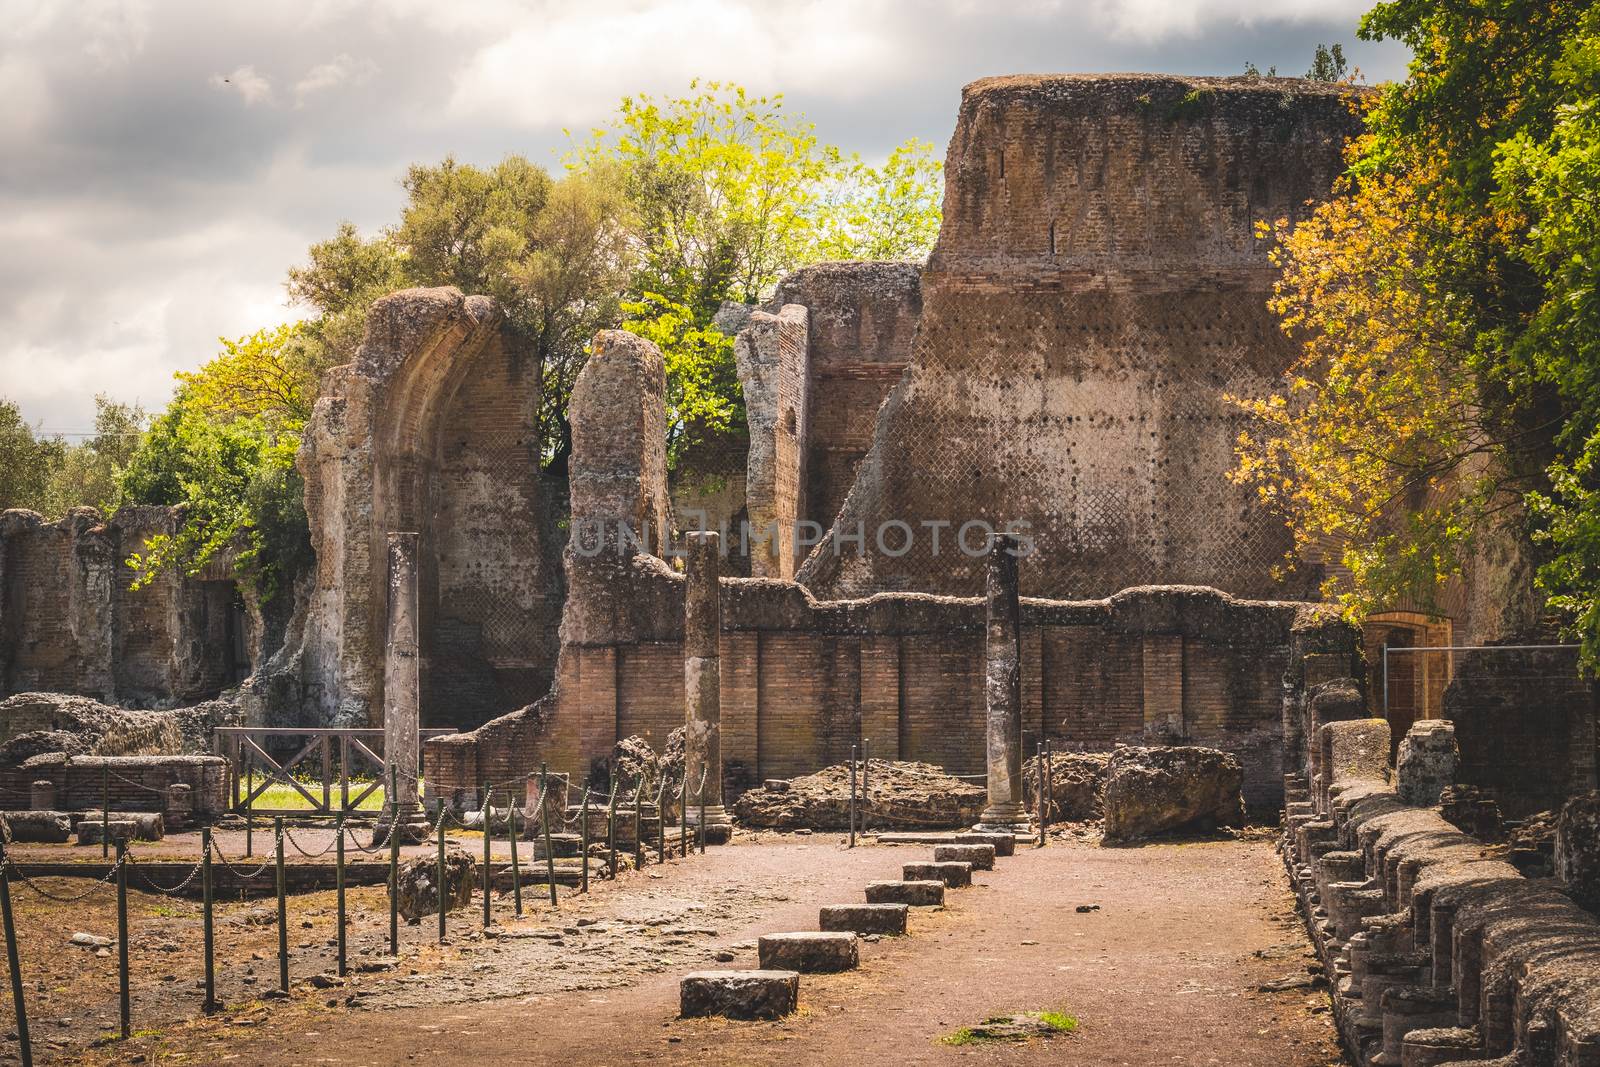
<point x="571" y="66"/>
<point x="1156" y="20"/>
<point x="343" y="69"/>
<point x="254" y="88"/>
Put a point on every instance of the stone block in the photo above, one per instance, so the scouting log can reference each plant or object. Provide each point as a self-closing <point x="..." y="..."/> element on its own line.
<point x="739" y="994"/>
<point x="979" y="857"/>
<point x="1577" y="853"/>
<point x="927" y="894"/>
<point x="809" y="952"/>
<point x="953" y="875"/>
<point x="419" y="884"/>
<point x="1427" y="762"/>
<point x="147" y="825"/>
<point x="1004" y="844"/>
<point x="93" y="831"/>
<point x="864" y="918"/>
<point x="1151" y="791"/>
<point x="42" y="827"/>
<point x="42" y="795"/>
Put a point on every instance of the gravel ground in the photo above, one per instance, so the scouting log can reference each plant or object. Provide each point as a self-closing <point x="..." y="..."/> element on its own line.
<point x="1167" y="970"/>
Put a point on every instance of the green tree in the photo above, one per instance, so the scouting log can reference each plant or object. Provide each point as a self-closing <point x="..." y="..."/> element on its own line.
<point x="551" y="252"/>
<point x="224" y="450"/>
<point x="1327" y="64"/>
<point x="1433" y="390"/>
<point x="27" y="462"/>
<point x="89" y="473"/>
<point x="887" y="212"/>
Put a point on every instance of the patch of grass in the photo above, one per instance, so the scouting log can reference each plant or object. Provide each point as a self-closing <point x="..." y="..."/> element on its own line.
<point x="1059" y="1021"/>
<point x="963" y="1036"/>
<point x="281" y="797"/>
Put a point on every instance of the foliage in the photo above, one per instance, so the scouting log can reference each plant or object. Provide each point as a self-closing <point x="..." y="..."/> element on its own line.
<point x="1421" y="409"/>
<point x="26" y="461"/>
<point x="702" y="382"/>
<point x="552" y="253"/>
<point x="1327" y="64"/>
<point x="887" y="212"/>
<point x="224" y="449"/>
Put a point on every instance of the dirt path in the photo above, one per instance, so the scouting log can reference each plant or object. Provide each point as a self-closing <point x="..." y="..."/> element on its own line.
<point x="1165" y="972"/>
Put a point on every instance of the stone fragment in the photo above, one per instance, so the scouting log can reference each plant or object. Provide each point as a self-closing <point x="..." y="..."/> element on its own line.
<point x="924" y="894"/>
<point x="1152" y="791"/>
<point x="1004" y="844"/>
<point x="953" y="875"/>
<point x="1577" y="855"/>
<point x="809" y="952"/>
<point x="1077" y="780"/>
<point x="147" y="825"/>
<point x="43" y="827"/>
<point x="419" y="880"/>
<point x="738" y="994"/>
<point x="1427" y="761"/>
<point x="979" y="857"/>
<point x="93" y="831"/>
<point x="864" y="918"/>
<point x="908" y="794"/>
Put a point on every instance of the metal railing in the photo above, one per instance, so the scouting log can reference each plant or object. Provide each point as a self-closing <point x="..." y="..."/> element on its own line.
<point x="332" y="779"/>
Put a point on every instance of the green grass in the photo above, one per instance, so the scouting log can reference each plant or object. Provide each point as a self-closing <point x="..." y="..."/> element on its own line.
<point x="278" y="796"/>
<point x="1058" y="1021"/>
<point x="1009" y="1028"/>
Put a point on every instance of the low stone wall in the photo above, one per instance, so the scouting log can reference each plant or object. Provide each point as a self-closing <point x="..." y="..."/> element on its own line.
<point x="1438" y="951"/>
<point x="137" y="783"/>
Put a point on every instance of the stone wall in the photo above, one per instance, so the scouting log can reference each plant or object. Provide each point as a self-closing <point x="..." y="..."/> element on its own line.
<point x="135" y="783"/>
<point x="1096" y="290"/>
<point x="71" y="622"/>
<point x="430" y="429"/>
<point x="803" y="679"/>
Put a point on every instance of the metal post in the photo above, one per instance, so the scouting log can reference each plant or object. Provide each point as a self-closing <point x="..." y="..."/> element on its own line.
<point x="1038" y="804"/>
<point x="338" y="886"/>
<point x="249" y="832"/>
<point x="516" y="870"/>
<point x="702" y="815"/>
<point x="611" y="826"/>
<point x="441" y="886"/>
<point x="488" y="813"/>
<point x="13" y="958"/>
<point x="122" y="939"/>
<point x="661" y="822"/>
<point x="549" y="850"/>
<point x="583" y="837"/>
<point x="283" y="906"/>
<point x="638" y="833"/>
<point x="394" y="878"/>
<point x="852" y="796"/>
<point x="866" y="775"/>
<point x="1050" y="792"/>
<point x="105" y="814"/>
<point x="206" y="896"/>
<point x="683" y="815"/>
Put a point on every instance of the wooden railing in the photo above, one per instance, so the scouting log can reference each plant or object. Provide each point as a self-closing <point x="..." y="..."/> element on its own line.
<point x="339" y="758"/>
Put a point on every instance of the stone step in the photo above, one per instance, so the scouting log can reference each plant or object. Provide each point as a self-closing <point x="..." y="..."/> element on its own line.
<point x="913" y="894"/>
<point x="1004" y="844"/>
<point x="809" y="952"/>
<point x="739" y="994"/>
<point x="981" y="857"/>
<point x="953" y="875"/>
<point x="864" y="918"/>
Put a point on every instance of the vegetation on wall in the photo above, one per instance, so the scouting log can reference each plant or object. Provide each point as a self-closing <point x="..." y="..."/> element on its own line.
<point x="1447" y="383"/>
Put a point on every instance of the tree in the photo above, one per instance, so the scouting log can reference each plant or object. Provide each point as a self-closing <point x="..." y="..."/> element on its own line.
<point x="89" y="474"/>
<point x="224" y="450"/>
<point x="887" y="212"/>
<point x="1426" y="403"/>
<point x="1327" y="64"/>
<point x="552" y="254"/>
<point x="26" y="461"/>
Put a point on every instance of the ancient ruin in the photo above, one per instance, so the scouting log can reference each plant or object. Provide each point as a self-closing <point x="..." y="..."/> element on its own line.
<point x="987" y="525"/>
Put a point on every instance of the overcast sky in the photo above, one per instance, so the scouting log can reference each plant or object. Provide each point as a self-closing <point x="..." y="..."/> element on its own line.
<point x="162" y="164"/>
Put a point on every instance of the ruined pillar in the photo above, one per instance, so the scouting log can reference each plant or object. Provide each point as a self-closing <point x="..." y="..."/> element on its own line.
<point x="702" y="678"/>
<point x="402" y="694"/>
<point x="1003" y="689"/>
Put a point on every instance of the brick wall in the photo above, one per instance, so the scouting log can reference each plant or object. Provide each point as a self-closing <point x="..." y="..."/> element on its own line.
<point x="136" y="783"/>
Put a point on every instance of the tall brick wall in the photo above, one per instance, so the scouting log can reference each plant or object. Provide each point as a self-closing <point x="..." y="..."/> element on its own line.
<point x="1096" y="292"/>
<point x="71" y="621"/>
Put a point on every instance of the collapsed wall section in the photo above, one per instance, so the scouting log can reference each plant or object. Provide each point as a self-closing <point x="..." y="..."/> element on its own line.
<point x="1096" y="293"/>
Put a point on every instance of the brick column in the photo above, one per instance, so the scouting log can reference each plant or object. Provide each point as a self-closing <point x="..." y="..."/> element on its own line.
<point x="702" y="679"/>
<point x="1003" y="689"/>
<point x="402" y="694"/>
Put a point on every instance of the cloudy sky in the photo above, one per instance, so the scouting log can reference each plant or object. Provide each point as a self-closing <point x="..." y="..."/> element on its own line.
<point x="162" y="163"/>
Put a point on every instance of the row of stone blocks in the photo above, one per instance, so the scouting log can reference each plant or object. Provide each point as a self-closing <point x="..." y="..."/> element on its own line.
<point x="1438" y="954"/>
<point x="774" y="990"/>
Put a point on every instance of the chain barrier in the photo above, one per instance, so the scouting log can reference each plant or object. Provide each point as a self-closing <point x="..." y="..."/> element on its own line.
<point x="99" y="884"/>
<point x="133" y="865"/>
<point x="239" y="871"/>
<point x="289" y="836"/>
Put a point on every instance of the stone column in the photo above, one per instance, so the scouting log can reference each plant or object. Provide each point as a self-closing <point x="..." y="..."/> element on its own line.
<point x="702" y="677"/>
<point x="1003" y="690"/>
<point x="402" y="693"/>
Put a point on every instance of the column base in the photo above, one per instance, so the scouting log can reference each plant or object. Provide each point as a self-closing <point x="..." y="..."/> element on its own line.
<point x="1004" y="818"/>
<point x="719" y="824"/>
<point x="414" y="827"/>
